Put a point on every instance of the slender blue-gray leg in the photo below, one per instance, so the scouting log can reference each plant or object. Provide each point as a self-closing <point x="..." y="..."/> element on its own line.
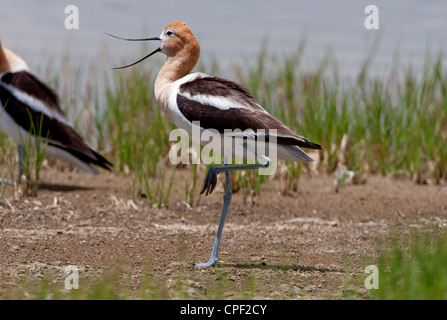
<point x="5" y="181"/>
<point x="209" y="185"/>
<point x="22" y="154"/>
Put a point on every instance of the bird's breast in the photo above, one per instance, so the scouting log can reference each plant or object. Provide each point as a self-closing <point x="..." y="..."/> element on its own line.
<point x="166" y="95"/>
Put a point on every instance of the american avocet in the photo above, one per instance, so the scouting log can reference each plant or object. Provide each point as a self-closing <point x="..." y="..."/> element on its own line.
<point x="29" y="103"/>
<point x="218" y="104"/>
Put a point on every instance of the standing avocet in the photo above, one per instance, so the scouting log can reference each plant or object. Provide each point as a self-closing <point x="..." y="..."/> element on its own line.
<point x="30" y="107"/>
<point x="196" y="99"/>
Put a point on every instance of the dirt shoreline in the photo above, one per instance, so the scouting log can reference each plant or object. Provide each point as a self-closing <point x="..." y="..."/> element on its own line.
<point x="293" y="247"/>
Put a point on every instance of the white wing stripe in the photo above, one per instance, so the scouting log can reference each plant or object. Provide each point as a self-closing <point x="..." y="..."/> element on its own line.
<point x="223" y="103"/>
<point x="33" y="103"/>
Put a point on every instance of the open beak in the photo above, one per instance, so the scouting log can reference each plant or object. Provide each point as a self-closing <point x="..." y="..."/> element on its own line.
<point x="144" y="39"/>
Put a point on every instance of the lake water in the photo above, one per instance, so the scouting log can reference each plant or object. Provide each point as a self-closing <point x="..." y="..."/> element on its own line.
<point x="230" y="30"/>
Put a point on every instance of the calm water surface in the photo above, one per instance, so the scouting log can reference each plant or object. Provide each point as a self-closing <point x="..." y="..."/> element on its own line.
<point x="229" y="30"/>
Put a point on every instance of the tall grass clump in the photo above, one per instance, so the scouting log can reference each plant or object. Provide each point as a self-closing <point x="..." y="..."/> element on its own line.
<point x="414" y="267"/>
<point x="388" y="124"/>
<point x="394" y="122"/>
<point x="137" y="132"/>
<point x="31" y="154"/>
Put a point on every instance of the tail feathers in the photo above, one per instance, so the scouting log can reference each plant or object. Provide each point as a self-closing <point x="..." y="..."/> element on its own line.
<point x="81" y="159"/>
<point x="292" y="153"/>
<point x="300" y="154"/>
<point x="102" y="162"/>
<point x="289" y="148"/>
<point x="298" y="141"/>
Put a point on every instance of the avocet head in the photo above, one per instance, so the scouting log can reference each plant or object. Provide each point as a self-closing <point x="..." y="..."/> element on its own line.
<point x="177" y="40"/>
<point x="10" y="62"/>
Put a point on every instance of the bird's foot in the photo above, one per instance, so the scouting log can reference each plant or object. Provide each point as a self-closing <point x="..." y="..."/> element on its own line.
<point x="210" y="182"/>
<point x="210" y="263"/>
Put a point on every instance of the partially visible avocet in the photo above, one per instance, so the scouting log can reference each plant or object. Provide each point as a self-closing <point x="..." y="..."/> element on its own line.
<point x="30" y="106"/>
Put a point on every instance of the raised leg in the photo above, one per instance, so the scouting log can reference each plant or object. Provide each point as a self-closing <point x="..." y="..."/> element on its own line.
<point x="211" y="177"/>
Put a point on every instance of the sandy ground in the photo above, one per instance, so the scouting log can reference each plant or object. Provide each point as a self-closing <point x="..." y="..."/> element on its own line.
<point x="312" y="244"/>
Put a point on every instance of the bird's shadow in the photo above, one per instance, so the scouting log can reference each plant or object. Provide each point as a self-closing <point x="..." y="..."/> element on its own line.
<point x="293" y="267"/>
<point x="63" y="187"/>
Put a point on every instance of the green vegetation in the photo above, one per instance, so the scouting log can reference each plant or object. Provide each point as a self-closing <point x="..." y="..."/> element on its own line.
<point x="115" y="284"/>
<point x="371" y="124"/>
<point x="33" y="152"/>
<point x="414" y="267"/>
<point x="393" y="124"/>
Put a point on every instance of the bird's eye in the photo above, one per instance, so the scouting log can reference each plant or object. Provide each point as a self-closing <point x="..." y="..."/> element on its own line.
<point x="169" y="33"/>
